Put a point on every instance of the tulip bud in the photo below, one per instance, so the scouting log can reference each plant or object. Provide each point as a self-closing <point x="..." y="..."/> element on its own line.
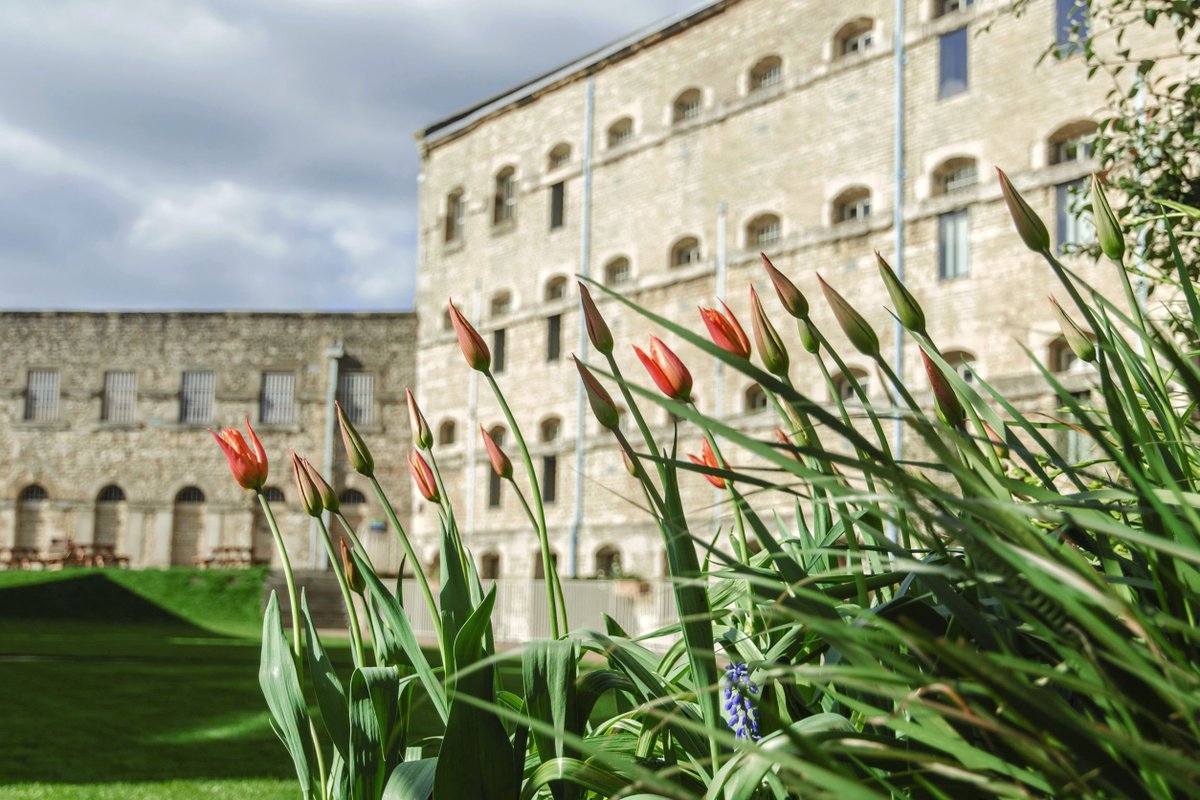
<point x="908" y="310"/>
<point x="474" y="349"/>
<point x="708" y="459"/>
<point x="725" y="331"/>
<point x="999" y="446"/>
<point x="949" y="408"/>
<point x="786" y="441"/>
<point x="808" y="336"/>
<point x="1080" y="343"/>
<point x="597" y="328"/>
<point x="1108" y="230"/>
<point x="793" y="301"/>
<point x="630" y="467"/>
<point x="422" y="436"/>
<point x="667" y="370"/>
<point x="1028" y="223"/>
<point x="601" y="401"/>
<point x="249" y="467"/>
<point x="353" y="577"/>
<point x="356" y="448"/>
<point x="310" y="498"/>
<point x="423" y="477"/>
<point x="860" y="334"/>
<point x="500" y="463"/>
<point x="329" y="498"/>
<point x="770" y="347"/>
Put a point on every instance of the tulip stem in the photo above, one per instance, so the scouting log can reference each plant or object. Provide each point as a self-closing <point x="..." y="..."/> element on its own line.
<point x="336" y="560"/>
<point x="557" y="583"/>
<point x="358" y="545"/>
<point x="547" y="564"/>
<point x="288" y="577"/>
<point x="636" y="412"/>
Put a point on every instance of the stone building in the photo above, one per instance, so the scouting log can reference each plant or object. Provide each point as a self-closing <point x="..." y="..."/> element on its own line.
<point x="662" y="164"/>
<point x="104" y="418"/>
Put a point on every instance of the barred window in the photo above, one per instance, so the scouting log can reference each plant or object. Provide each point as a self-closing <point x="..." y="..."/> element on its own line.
<point x="120" y="396"/>
<point x="111" y="494"/>
<point x="41" y="395"/>
<point x="196" y="397"/>
<point x="766" y="73"/>
<point x="276" y="403"/>
<point x="356" y="393"/>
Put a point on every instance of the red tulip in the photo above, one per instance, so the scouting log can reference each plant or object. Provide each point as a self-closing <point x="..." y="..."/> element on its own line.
<point x="329" y="498"/>
<point x="310" y="496"/>
<point x="249" y="467"/>
<point x="597" y="328"/>
<point x="668" y="372"/>
<point x="725" y="331"/>
<point x="770" y="346"/>
<point x="423" y="476"/>
<point x="500" y="463"/>
<point x="601" y="401"/>
<point x="474" y="349"/>
<point x="794" y="303"/>
<point x="949" y="407"/>
<point x="708" y="459"/>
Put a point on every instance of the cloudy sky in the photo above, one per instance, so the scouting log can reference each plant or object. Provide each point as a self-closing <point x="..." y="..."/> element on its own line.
<point x="203" y="154"/>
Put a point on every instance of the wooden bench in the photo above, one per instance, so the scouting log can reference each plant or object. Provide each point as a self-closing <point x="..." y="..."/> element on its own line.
<point x="228" y="556"/>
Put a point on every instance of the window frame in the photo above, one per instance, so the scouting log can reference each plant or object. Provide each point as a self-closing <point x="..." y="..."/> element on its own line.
<point x="558" y="205"/>
<point x="504" y="198"/>
<point x="952" y="84"/>
<point x="952" y="224"/>
<point x="204" y="397"/>
<point x="118" y="403"/>
<point x="554" y="338"/>
<point x="499" y="356"/>
<point x="267" y="413"/>
<point x="356" y="394"/>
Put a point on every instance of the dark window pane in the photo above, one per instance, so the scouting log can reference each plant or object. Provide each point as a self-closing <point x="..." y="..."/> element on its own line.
<point x="558" y="201"/>
<point x="498" y="350"/>
<point x="953" y="70"/>
<point x="493" y="489"/>
<point x="554" y="337"/>
<point x="549" y="479"/>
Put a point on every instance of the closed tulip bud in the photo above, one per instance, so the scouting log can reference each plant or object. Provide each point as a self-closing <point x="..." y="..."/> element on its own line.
<point x="908" y="310"/>
<point x="422" y="436"/>
<point x="1080" y="343"/>
<point x="1108" y="230"/>
<point x="949" y="408"/>
<point x="999" y="446"/>
<point x="793" y="301"/>
<point x="860" y="334"/>
<point x="1029" y="225"/>
<point x="353" y="577"/>
<point x="356" y="449"/>
<point x="597" y="328"/>
<point x="423" y="477"/>
<point x="500" y="463"/>
<point x="249" y="466"/>
<point x="602" y="403"/>
<point x="306" y="490"/>
<point x="708" y="459"/>
<point x="630" y="467"/>
<point x="329" y="498"/>
<point x="725" y="331"/>
<point x="808" y="336"/>
<point x="786" y="441"/>
<point x="770" y="347"/>
<point x="474" y="349"/>
<point x="667" y="370"/>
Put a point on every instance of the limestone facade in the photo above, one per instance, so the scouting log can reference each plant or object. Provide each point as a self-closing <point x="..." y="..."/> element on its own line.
<point x="746" y="125"/>
<point x="104" y="418"/>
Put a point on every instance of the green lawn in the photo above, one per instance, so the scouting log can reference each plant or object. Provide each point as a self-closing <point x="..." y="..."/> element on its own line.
<point x="121" y="684"/>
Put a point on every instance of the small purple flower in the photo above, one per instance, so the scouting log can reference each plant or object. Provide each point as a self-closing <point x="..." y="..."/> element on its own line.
<point x="740" y="696"/>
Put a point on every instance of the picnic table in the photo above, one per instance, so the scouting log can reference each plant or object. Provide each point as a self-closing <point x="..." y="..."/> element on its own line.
<point x="63" y="553"/>
<point x="230" y="556"/>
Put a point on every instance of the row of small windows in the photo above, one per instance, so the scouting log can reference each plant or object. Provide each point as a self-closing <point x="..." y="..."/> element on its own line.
<point x="197" y="392"/>
<point x="112" y="493"/>
<point x="607" y="562"/>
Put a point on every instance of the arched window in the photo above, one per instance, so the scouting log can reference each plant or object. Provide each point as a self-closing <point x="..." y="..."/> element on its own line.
<point x="608" y="562"/>
<point x="111" y="494"/>
<point x="539" y="571"/>
<point x="963" y="363"/>
<point x="501" y="303"/>
<point x="685" y="251"/>
<point x="856" y="36"/>
<point x="190" y="494"/>
<point x="273" y="494"/>
<point x="843" y="386"/>
<point x="504" y="198"/>
<point x="456" y="212"/>
<point x="1061" y="358"/>
<point x="765" y="73"/>
<point x="447" y="432"/>
<point x="943" y="7"/>
<point x="556" y="289"/>
<point x="352" y="497"/>
<point x="763" y="231"/>
<point x="550" y="429"/>
<point x="687" y="106"/>
<point x="560" y="155"/>
<point x="489" y="566"/>
<point x="33" y="492"/>
<point x="756" y="399"/>
<point x="617" y="271"/>
<point x="497" y="432"/>
<point x="954" y="175"/>
<point x="620" y="132"/>
<point x="1072" y="142"/>
<point x="852" y="205"/>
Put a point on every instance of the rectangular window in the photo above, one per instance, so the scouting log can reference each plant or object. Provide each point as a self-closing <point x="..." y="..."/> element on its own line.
<point x="196" y="397"/>
<point x="549" y="479"/>
<point x="498" y="350"/>
<point x="950" y="6"/>
<point x="1073" y="215"/>
<point x="455" y="211"/>
<point x="558" y="201"/>
<point x="119" y="403"/>
<point x="41" y="395"/>
<point x="1070" y="25"/>
<point x="554" y="337"/>
<point x="953" y="63"/>
<point x="275" y="404"/>
<point x="494" y="484"/>
<point x="954" y="251"/>
<point x="356" y="393"/>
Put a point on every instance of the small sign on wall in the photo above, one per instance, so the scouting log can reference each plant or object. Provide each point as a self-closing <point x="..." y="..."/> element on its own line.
<point x="378" y="526"/>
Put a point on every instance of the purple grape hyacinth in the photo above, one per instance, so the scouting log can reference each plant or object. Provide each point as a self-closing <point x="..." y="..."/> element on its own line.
<point x="740" y="696"/>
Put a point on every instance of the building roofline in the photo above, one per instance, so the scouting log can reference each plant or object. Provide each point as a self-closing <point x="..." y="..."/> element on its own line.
<point x="616" y="51"/>
<point x="133" y="312"/>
